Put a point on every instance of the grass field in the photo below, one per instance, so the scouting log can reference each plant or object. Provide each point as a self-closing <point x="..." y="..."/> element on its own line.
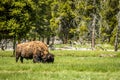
<point x="68" y="65"/>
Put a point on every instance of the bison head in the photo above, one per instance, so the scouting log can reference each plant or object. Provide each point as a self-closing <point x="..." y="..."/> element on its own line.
<point x="49" y="58"/>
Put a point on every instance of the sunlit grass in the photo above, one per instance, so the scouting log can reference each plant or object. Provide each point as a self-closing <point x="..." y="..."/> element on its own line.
<point x="86" y="45"/>
<point x="61" y="75"/>
<point x="68" y="65"/>
<point x="78" y="53"/>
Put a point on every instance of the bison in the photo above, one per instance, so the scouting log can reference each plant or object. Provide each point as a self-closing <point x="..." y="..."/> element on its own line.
<point x="36" y="50"/>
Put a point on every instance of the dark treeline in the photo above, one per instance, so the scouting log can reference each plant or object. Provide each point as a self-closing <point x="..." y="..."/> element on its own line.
<point x="89" y="20"/>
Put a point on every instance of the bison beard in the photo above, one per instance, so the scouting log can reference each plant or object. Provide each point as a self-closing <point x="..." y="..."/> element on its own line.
<point x="36" y="50"/>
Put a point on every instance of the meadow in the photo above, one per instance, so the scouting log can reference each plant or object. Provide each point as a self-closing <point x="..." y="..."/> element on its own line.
<point x="68" y="65"/>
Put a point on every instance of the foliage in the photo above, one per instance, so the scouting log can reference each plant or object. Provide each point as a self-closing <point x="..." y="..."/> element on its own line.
<point x="93" y="20"/>
<point x="15" y="17"/>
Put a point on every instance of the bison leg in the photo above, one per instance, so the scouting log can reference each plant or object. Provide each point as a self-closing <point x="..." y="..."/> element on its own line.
<point x="21" y="59"/>
<point x="35" y="59"/>
<point x="17" y="58"/>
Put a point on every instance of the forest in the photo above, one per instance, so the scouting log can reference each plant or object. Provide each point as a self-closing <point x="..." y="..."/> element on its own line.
<point x="89" y="29"/>
<point x="91" y="21"/>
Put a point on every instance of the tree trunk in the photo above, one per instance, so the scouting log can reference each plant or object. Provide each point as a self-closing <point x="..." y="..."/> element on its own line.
<point x="116" y="41"/>
<point x="93" y="33"/>
<point x="48" y="40"/>
<point x="14" y="45"/>
<point x="53" y="40"/>
<point x="93" y="27"/>
<point x="43" y="39"/>
<point x="117" y="33"/>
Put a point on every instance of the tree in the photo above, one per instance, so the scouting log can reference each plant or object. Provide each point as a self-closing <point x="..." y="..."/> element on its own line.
<point x="87" y="11"/>
<point x="109" y="25"/>
<point x="117" y="33"/>
<point x="15" y="19"/>
<point x="63" y="18"/>
<point x="91" y="20"/>
<point x="42" y="19"/>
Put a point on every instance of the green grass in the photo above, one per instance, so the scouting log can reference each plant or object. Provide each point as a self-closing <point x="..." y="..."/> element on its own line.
<point x="98" y="46"/>
<point x="84" y="53"/>
<point x="68" y="65"/>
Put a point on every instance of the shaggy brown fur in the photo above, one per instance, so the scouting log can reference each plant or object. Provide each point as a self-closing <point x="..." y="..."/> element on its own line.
<point x="35" y="50"/>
